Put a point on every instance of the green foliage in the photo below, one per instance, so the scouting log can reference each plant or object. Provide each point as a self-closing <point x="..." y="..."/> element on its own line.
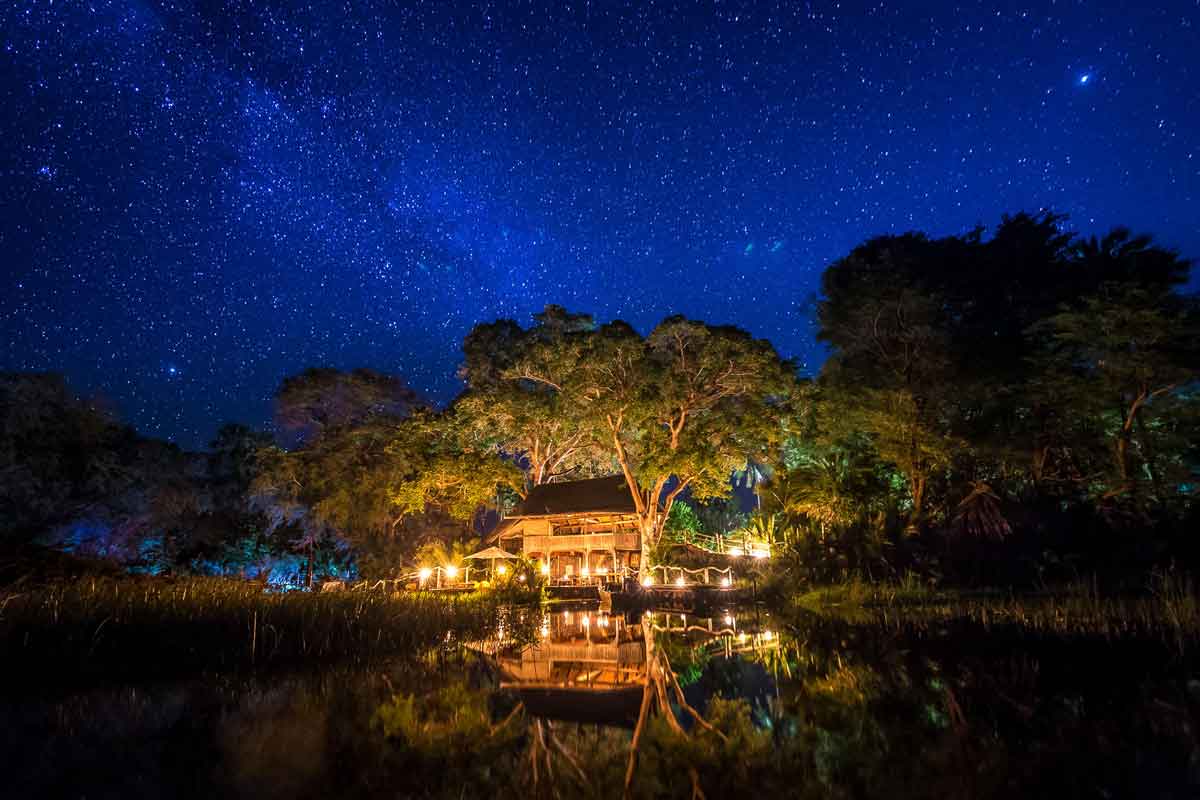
<point x="514" y="404"/>
<point x="683" y="519"/>
<point x="448" y="553"/>
<point x="59" y="455"/>
<point x="1124" y="360"/>
<point x="318" y="400"/>
<point x="452" y="725"/>
<point x="380" y="482"/>
<point x="1030" y="368"/>
<point x="683" y="407"/>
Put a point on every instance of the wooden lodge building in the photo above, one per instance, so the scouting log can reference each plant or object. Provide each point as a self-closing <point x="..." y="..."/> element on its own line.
<point x="583" y="529"/>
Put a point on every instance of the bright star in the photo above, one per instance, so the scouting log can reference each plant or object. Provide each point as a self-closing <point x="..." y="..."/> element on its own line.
<point x="1084" y="78"/>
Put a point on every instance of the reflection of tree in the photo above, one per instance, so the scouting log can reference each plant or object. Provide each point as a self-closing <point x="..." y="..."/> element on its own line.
<point x="660" y="685"/>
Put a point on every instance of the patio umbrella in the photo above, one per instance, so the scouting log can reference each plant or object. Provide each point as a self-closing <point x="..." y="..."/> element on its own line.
<point x="493" y="554"/>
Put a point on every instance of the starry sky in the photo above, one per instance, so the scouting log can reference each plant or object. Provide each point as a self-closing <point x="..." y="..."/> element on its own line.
<point x="199" y="198"/>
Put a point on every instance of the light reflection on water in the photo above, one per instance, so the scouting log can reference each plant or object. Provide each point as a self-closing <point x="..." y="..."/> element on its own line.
<point x="589" y="664"/>
<point x="817" y="704"/>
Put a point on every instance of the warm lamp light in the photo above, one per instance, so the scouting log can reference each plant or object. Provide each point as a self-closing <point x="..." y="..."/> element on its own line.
<point x="726" y="581"/>
<point x="451" y="571"/>
<point x="736" y="551"/>
<point x="585" y="572"/>
<point x="545" y="568"/>
<point x="424" y="573"/>
<point x="680" y="581"/>
<point x="503" y="570"/>
<point x="647" y="580"/>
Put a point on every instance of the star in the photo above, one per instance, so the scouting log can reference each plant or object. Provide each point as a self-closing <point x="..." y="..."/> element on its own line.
<point x="283" y="197"/>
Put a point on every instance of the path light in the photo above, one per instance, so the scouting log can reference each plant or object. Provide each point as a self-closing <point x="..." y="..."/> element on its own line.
<point x="647" y="581"/>
<point x="424" y="573"/>
<point x="736" y="551"/>
<point x="502" y="570"/>
<point x="545" y="568"/>
<point x="680" y="581"/>
<point x="521" y="577"/>
<point x="726" y="581"/>
<point x="451" y="571"/>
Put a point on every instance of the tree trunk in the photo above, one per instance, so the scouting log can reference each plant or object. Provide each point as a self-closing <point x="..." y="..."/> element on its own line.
<point x="1121" y="446"/>
<point x="310" y="565"/>
<point x="1148" y="447"/>
<point x="916" y="486"/>
<point x="1041" y="454"/>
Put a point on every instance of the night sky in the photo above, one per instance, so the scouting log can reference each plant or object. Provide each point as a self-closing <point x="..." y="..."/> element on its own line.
<point x="197" y="200"/>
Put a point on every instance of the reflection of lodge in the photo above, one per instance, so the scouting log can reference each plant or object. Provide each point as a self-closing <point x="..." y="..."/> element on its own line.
<point x="588" y="666"/>
<point x="581" y="531"/>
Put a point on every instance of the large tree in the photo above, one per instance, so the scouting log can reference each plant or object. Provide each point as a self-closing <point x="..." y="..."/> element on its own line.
<point x="677" y="410"/>
<point x="360" y="484"/>
<point x="931" y="354"/>
<point x="319" y="399"/>
<point x="1127" y="358"/>
<point x="514" y="405"/>
<point x="892" y="372"/>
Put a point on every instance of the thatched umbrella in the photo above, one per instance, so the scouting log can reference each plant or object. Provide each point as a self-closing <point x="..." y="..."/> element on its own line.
<point x="493" y="554"/>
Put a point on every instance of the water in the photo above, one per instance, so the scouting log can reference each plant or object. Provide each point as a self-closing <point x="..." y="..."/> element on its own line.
<point x="805" y="707"/>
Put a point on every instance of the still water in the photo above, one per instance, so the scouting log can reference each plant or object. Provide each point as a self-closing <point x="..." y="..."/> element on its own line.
<point x="550" y="706"/>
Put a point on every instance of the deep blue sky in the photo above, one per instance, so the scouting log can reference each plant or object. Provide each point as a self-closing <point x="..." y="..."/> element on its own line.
<point x="199" y="199"/>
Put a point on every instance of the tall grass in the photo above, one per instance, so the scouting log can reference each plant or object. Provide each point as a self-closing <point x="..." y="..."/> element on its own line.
<point x="1169" y="608"/>
<point x="101" y="629"/>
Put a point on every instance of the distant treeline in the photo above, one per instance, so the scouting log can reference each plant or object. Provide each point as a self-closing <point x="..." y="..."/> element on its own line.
<point x="1009" y="409"/>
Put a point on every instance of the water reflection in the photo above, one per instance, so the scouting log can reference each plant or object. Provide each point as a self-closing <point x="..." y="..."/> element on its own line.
<point x="591" y="665"/>
<point x="551" y="705"/>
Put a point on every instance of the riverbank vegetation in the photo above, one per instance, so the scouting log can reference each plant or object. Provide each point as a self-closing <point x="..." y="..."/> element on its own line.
<point x="101" y="630"/>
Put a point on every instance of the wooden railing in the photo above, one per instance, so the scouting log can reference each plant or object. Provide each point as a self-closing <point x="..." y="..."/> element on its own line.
<point x="738" y="544"/>
<point x="581" y="542"/>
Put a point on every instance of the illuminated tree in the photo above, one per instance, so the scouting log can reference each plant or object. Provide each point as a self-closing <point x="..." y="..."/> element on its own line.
<point x="514" y="405"/>
<point x="679" y="409"/>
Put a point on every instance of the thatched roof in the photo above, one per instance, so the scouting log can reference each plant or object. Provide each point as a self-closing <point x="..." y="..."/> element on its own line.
<point x="491" y="553"/>
<point x="607" y="495"/>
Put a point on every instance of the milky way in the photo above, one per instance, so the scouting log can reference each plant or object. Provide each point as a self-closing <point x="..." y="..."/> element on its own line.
<point x="197" y="201"/>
